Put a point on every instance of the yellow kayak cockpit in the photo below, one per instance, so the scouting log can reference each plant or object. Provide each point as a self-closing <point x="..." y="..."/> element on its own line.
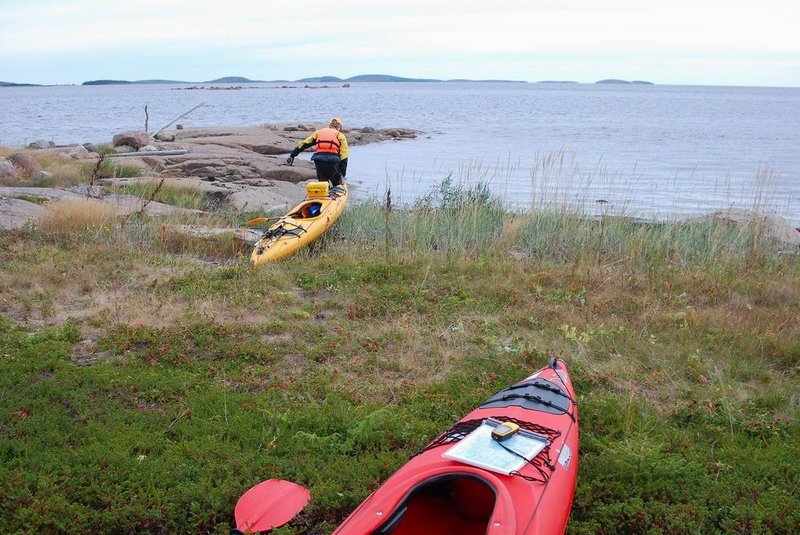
<point x="308" y="210"/>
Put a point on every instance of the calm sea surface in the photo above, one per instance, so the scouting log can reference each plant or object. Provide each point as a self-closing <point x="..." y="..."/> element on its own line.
<point x="646" y="151"/>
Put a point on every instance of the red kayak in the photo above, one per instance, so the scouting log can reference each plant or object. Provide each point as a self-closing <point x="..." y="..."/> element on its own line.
<point x="508" y="467"/>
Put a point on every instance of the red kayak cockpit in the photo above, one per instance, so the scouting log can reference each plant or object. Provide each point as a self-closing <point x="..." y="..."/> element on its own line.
<point x="443" y="499"/>
<point x="450" y="503"/>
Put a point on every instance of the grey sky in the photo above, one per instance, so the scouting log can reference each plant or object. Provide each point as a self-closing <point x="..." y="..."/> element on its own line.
<point x="733" y="42"/>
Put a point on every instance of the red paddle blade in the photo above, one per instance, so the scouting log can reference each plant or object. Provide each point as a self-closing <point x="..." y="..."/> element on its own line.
<point x="270" y="504"/>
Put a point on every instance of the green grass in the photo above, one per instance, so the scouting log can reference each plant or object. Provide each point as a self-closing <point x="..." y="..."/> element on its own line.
<point x="143" y="390"/>
<point x="181" y="196"/>
<point x="111" y="168"/>
<point x="466" y="221"/>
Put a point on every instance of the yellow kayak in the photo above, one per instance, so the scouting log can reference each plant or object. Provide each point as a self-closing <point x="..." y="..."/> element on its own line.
<point x="303" y="224"/>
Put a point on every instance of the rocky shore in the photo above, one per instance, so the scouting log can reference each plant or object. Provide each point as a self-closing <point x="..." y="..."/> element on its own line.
<point x="244" y="167"/>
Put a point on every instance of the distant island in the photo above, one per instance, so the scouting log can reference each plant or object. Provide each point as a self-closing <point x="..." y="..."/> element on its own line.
<point x="615" y="81"/>
<point x="363" y="78"/>
<point x="487" y="81"/>
<point x="128" y="82"/>
<point x="12" y="84"/>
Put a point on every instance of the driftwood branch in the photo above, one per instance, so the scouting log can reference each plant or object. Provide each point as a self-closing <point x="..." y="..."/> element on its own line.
<point x="90" y="192"/>
<point x="176" y="152"/>
<point x="179" y="117"/>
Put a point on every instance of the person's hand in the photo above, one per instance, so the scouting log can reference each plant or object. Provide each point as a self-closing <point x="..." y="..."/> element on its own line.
<point x="290" y="160"/>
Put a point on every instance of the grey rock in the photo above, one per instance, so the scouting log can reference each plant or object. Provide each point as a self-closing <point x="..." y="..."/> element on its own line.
<point x="7" y="169"/>
<point x="209" y="171"/>
<point x="398" y="132"/>
<point x="90" y="147"/>
<point x="148" y="148"/>
<point x="26" y="165"/>
<point x="87" y="190"/>
<point x="770" y="226"/>
<point x="268" y="195"/>
<point x="16" y="213"/>
<point x="122" y="149"/>
<point x="136" y="140"/>
<point x="165" y="136"/>
<point x="367" y="130"/>
<point x="46" y="194"/>
<point x="41" y="176"/>
<point x="178" y="127"/>
<point x="41" y="144"/>
<point x="77" y="153"/>
<point x="154" y="163"/>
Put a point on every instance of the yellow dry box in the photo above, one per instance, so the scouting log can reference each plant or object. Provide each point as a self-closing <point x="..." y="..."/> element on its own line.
<point x="317" y="189"/>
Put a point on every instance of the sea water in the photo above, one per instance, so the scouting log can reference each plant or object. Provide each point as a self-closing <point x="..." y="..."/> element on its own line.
<point x="641" y="150"/>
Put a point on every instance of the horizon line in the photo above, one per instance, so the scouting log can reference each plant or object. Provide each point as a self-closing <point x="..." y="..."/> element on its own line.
<point x="355" y="79"/>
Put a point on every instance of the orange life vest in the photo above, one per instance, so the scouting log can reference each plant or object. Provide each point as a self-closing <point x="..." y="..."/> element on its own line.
<point x="328" y="141"/>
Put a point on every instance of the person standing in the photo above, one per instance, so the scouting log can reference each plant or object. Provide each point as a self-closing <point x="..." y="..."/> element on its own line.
<point x="330" y="157"/>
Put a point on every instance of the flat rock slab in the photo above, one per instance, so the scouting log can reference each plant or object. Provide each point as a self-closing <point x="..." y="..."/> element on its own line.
<point x="258" y="140"/>
<point x="16" y="213"/>
<point x="230" y="164"/>
<point x="46" y="194"/>
<point x="18" y="210"/>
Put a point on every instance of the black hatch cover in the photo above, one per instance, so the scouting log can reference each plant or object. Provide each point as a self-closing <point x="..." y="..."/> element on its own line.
<point x="539" y="395"/>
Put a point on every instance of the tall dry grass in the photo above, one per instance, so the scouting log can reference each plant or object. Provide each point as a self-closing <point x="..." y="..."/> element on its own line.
<point x="64" y="171"/>
<point x="77" y="215"/>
